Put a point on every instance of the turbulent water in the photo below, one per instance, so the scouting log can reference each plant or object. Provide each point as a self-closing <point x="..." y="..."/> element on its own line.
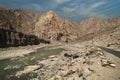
<point x="8" y="67"/>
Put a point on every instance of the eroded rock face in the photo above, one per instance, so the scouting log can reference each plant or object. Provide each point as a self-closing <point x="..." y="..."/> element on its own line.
<point x="12" y="38"/>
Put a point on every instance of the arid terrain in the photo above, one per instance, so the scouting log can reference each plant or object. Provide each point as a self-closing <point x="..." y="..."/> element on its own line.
<point x="44" y="46"/>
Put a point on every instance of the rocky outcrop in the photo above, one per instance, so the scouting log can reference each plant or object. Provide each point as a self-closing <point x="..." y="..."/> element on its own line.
<point x="12" y="38"/>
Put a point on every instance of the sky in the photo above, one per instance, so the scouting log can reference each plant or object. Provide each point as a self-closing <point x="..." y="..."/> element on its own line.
<point x="71" y="9"/>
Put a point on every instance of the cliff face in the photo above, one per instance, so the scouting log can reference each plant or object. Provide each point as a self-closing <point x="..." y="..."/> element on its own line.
<point x="10" y="38"/>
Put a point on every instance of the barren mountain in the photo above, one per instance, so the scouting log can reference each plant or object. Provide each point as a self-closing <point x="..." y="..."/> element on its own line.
<point x="95" y="27"/>
<point x="47" y="25"/>
<point x="50" y="26"/>
<point x="96" y="58"/>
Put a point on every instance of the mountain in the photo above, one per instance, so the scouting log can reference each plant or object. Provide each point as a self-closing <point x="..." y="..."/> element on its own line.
<point x="44" y="25"/>
<point x="96" y="27"/>
<point x="50" y="27"/>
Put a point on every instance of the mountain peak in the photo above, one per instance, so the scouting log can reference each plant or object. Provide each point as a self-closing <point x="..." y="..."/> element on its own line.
<point x="50" y="14"/>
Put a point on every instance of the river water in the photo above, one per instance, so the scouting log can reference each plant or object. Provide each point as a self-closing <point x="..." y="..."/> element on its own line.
<point x="9" y="66"/>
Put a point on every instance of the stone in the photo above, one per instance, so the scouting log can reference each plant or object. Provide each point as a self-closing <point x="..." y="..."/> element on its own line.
<point x="34" y="79"/>
<point x="7" y="67"/>
<point x="52" y="56"/>
<point x="67" y="55"/>
<point x="86" y="72"/>
<point x="27" y="70"/>
<point x="107" y="62"/>
<point x="75" y="78"/>
<point x="113" y="65"/>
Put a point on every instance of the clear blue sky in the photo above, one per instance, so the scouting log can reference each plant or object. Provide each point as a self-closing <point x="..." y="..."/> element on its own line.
<point x="71" y="9"/>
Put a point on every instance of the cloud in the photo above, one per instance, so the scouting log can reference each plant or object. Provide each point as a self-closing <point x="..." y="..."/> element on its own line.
<point x="84" y="10"/>
<point x="44" y="5"/>
<point x="33" y="6"/>
<point x="66" y="9"/>
<point x="36" y="6"/>
<point x="89" y="10"/>
<point x="56" y="3"/>
<point x="95" y="5"/>
<point x="61" y="1"/>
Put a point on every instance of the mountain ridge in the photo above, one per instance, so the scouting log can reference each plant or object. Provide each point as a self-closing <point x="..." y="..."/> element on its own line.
<point x="50" y="26"/>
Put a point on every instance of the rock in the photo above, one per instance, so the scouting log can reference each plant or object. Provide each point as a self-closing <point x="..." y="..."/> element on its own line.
<point x="100" y="53"/>
<point x="13" y="38"/>
<point x="107" y="62"/>
<point x="70" y="72"/>
<point x="34" y="79"/>
<point x="52" y="56"/>
<point x="112" y="65"/>
<point x="86" y="72"/>
<point x="75" y="78"/>
<point x="8" y="67"/>
<point x="104" y="61"/>
<point x="73" y="56"/>
<point x="54" y="59"/>
<point x="80" y="73"/>
<point x="67" y="55"/>
<point x="27" y="70"/>
<point x="56" y="77"/>
<point x="17" y="66"/>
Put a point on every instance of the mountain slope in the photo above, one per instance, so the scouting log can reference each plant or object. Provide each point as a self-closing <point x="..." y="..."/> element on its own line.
<point x="94" y="27"/>
<point x="47" y="25"/>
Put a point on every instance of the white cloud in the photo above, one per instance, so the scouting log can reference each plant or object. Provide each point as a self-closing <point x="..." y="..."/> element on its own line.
<point x="36" y="6"/>
<point x="88" y="10"/>
<point x="83" y="10"/>
<point x="33" y="6"/>
<point x="95" y="5"/>
<point x="66" y="9"/>
<point x="55" y="3"/>
<point x="61" y="1"/>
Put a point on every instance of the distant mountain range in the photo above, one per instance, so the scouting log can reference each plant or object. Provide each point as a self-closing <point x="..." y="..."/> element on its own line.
<point x="49" y="27"/>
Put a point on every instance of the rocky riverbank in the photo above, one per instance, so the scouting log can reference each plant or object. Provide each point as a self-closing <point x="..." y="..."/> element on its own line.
<point x="79" y="61"/>
<point x="12" y="52"/>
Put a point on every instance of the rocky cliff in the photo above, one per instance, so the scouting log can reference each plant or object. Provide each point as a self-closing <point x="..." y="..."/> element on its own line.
<point x="10" y="38"/>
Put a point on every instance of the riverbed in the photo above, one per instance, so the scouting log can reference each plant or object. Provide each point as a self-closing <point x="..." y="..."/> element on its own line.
<point x="9" y="66"/>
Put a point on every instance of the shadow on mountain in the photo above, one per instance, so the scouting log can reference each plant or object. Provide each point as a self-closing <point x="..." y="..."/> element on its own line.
<point x="114" y="52"/>
<point x="10" y="38"/>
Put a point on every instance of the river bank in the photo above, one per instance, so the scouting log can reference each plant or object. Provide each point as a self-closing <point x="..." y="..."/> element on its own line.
<point x="78" y="61"/>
